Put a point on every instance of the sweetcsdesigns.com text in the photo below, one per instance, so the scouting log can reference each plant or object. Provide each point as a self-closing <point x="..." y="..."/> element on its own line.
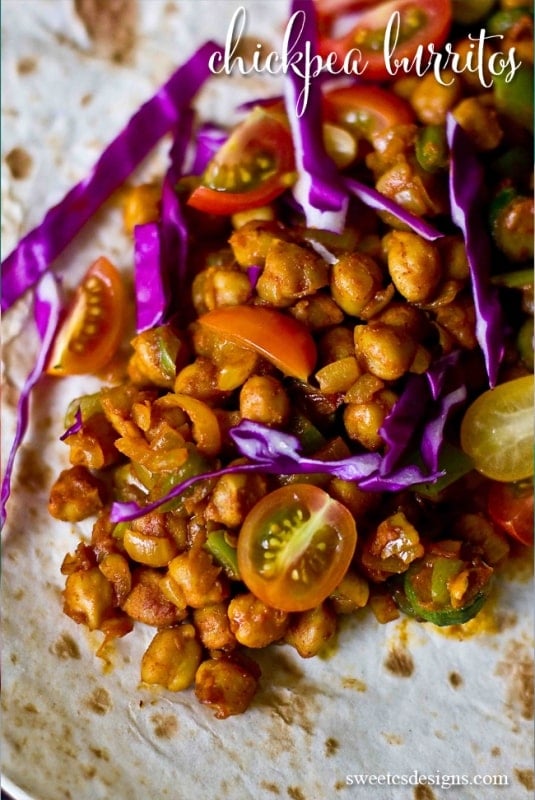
<point x="296" y="55"/>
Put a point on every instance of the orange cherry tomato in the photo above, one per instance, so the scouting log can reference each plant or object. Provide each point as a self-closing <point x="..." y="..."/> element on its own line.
<point x="281" y="339"/>
<point x="366" y="110"/>
<point x="510" y="505"/>
<point x="93" y="326"/>
<point x="254" y="166"/>
<point x="295" y="546"/>
<point x="362" y="25"/>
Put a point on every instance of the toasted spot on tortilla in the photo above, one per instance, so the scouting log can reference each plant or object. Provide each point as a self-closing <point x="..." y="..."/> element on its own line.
<point x="399" y="662"/>
<point x="295" y="793"/>
<point x="165" y="725"/>
<point x="496" y="751"/>
<point x="392" y="738"/>
<point x="331" y="746"/>
<point x="526" y="777"/>
<point x="270" y="787"/>
<point x="65" y="647"/>
<point x="99" y="701"/>
<point x="423" y="792"/>
<point x="19" y="162"/>
<point x="455" y="679"/>
<point x="517" y="668"/>
<point x="100" y="752"/>
<point x="111" y="25"/>
<point x="26" y="65"/>
<point x="354" y="683"/>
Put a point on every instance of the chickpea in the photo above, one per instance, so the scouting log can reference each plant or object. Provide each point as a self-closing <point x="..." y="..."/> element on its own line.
<point x="233" y="497"/>
<point x="432" y="101"/>
<point x="459" y="320"/>
<point x="309" y="631"/>
<point x="480" y="123"/>
<point x="253" y="623"/>
<point x="147" y="603"/>
<point x="351" y="593"/>
<point x="251" y="242"/>
<point x="362" y="422"/>
<point x="413" y="188"/>
<point x="414" y="265"/>
<point x="355" y="279"/>
<point x="141" y="204"/>
<point x="215" y="287"/>
<point x="201" y="581"/>
<point x="116" y="570"/>
<point x="454" y="260"/>
<point x="407" y="317"/>
<point x="357" y="500"/>
<point x="384" y="351"/>
<point x="263" y="399"/>
<point x="336" y="344"/>
<point x="200" y="380"/>
<point x="364" y="389"/>
<point x="317" y="312"/>
<point x="154" y="551"/>
<point x="88" y="597"/>
<point x="172" y="658"/>
<point x="75" y="495"/>
<point x="213" y="627"/>
<point x="290" y="272"/>
<point x="227" y="684"/>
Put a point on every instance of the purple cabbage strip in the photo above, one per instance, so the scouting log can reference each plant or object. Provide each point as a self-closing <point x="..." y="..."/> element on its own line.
<point x="208" y="140"/>
<point x="253" y="273"/>
<point x="374" y="199"/>
<point x="151" y="297"/>
<point x="38" y="249"/>
<point x="433" y="432"/>
<point x="319" y="189"/>
<point x="401" y="423"/>
<point x="277" y="453"/>
<point x="161" y="247"/>
<point x="47" y="310"/>
<point x="465" y="185"/>
<point x="75" y="427"/>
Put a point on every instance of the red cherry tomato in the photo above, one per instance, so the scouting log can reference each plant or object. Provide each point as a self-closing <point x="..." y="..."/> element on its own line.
<point x="366" y="110"/>
<point x="254" y="166"/>
<point x="281" y="339"/>
<point x="510" y="505"/>
<point x="363" y="26"/>
<point x="295" y="546"/>
<point x="93" y="326"/>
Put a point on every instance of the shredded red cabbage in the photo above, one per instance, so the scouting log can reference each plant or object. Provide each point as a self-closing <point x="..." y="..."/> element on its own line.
<point x="253" y="273"/>
<point x="374" y="199"/>
<point x="278" y="453"/>
<point x="208" y="140"/>
<point x="160" y="251"/>
<point x="465" y="185"/>
<point x="38" y="249"/>
<point x="47" y="310"/>
<point x="319" y="189"/>
<point x="75" y="427"/>
<point x="420" y="414"/>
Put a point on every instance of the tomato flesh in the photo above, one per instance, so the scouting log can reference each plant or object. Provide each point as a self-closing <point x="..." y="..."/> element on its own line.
<point x="254" y="166"/>
<point x="295" y="546"/>
<point x="283" y="340"/>
<point x="510" y="506"/>
<point x="419" y="24"/>
<point x="366" y="110"/>
<point x="92" y="329"/>
<point x="497" y="431"/>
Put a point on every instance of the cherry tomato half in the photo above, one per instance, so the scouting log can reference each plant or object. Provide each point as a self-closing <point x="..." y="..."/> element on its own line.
<point x="295" y="546"/>
<point x="93" y="326"/>
<point x="510" y="505"/>
<point x="366" y="110"/>
<point x="363" y="26"/>
<point x="281" y="339"/>
<point x="497" y="431"/>
<point x="254" y="166"/>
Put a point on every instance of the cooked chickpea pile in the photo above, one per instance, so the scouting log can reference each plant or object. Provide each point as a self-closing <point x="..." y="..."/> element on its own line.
<point x="387" y="305"/>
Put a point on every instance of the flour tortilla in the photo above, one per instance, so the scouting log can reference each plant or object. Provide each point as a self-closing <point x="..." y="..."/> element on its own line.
<point x="399" y="699"/>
